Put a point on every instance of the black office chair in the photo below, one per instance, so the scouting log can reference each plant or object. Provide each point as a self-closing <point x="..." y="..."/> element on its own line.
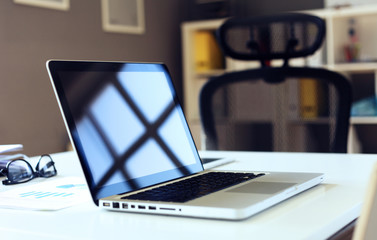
<point x="283" y="108"/>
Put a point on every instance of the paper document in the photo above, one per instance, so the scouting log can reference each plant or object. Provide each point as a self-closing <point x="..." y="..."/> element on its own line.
<point x="52" y="194"/>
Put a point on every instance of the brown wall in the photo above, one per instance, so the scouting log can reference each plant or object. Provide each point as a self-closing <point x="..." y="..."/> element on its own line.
<point x="31" y="35"/>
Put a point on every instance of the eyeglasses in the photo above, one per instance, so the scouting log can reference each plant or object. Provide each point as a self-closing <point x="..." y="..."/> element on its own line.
<point x="20" y="171"/>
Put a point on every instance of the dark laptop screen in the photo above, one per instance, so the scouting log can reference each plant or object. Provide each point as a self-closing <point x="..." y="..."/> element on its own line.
<point x="126" y="124"/>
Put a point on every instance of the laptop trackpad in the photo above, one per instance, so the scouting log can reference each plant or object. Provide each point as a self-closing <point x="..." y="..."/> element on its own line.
<point x="262" y="187"/>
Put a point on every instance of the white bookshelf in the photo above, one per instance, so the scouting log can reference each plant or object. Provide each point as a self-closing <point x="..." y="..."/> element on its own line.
<point x="337" y="23"/>
<point x="193" y="81"/>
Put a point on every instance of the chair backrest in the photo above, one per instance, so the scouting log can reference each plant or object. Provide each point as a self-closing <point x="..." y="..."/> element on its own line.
<point x="266" y="38"/>
<point x="275" y="108"/>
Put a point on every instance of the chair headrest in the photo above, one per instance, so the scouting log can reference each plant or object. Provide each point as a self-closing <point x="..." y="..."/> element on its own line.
<point x="264" y="38"/>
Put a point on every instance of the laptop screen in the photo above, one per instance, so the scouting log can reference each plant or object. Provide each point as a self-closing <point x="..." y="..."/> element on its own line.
<point x="126" y="124"/>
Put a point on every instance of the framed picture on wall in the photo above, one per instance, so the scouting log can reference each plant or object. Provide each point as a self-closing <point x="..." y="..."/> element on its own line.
<point x="123" y="16"/>
<point x="54" y="4"/>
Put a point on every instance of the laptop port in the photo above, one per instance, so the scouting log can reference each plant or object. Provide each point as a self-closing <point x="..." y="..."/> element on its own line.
<point x="124" y="205"/>
<point x="106" y="204"/>
<point x="170" y="209"/>
<point x="141" y="207"/>
<point x="152" y="208"/>
<point x="115" y="205"/>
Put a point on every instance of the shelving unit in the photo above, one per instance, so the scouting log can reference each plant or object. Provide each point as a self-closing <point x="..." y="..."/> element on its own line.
<point x="331" y="56"/>
<point x="365" y="22"/>
<point x="193" y="81"/>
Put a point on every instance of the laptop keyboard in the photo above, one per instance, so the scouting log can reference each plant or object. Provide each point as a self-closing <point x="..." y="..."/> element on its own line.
<point x="191" y="188"/>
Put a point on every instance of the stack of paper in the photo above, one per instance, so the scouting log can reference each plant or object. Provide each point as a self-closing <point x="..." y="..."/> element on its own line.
<point x="10" y="148"/>
<point x="5" y="157"/>
<point x="51" y="194"/>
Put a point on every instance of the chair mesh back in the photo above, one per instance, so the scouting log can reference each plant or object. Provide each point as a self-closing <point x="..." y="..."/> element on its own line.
<point x="278" y="37"/>
<point x="306" y="110"/>
<point x="255" y="115"/>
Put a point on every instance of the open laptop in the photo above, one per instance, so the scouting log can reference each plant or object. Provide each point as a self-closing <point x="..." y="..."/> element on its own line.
<point x="366" y="224"/>
<point x="136" y="150"/>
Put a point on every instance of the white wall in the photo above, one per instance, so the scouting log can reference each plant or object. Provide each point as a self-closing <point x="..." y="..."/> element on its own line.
<point x="31" y="35"/>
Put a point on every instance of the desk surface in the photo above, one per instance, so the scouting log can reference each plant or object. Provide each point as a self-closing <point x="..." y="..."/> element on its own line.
<point x="315" y="214"/>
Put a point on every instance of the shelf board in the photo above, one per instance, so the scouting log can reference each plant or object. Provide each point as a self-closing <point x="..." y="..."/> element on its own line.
<point x="301" y="121"/>
<point x="364" y="120"/>
<point x="354" y="67"/>
<point x="319" y="120"/>
<point x="203" y="25"/>
<point x="210" y="73"/>
<point x="354" y="11"/>
<point x="340" y="67"/>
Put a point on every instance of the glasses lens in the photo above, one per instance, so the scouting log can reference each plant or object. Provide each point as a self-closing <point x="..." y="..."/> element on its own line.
<point x="46" y="167"/>
<point x="19" y="171"/>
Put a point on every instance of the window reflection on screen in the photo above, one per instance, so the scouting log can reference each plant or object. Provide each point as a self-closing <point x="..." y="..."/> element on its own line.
<point x="131" y="128"/>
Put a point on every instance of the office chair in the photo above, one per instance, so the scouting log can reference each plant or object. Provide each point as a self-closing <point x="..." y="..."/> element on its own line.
<point x="275" y="108"/>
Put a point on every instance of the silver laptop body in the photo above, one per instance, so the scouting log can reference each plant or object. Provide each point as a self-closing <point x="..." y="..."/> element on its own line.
<point x="130" y="134"/>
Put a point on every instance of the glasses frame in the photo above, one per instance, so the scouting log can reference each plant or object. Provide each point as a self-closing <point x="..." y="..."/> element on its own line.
<point x="34" y="173"/>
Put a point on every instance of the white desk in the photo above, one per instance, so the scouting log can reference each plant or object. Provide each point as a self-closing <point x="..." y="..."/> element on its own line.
<point x="315" y="214"/>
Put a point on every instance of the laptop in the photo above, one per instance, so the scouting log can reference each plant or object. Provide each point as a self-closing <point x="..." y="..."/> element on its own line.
<point x="366" y="224"/>
<point x="136" y="150"/>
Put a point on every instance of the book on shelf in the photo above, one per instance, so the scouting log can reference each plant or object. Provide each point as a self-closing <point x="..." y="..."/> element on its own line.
<point x="312" y="98"/>
<point x="366" y="107"/>
<point x="207" y="53"/>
